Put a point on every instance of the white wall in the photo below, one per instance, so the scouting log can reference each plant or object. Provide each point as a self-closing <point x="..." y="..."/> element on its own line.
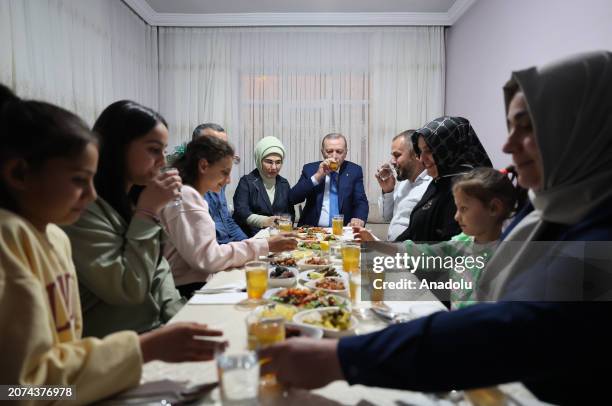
<point x="495" y="37"/>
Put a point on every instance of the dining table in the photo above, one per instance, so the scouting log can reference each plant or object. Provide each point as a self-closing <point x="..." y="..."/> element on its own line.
<point x="220" y="311"/>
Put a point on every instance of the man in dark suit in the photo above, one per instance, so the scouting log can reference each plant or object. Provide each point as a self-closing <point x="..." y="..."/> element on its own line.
<point x="332" y="186"/>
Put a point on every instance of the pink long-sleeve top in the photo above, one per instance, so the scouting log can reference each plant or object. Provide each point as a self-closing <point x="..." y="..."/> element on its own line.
<point x="192" y="249"/>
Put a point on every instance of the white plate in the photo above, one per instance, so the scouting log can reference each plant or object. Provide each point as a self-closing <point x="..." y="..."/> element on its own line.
<point x="301" y="254"/>
<point x="282" y="282"/>
<point x="341" y="292"/>
<point x="306" y="330"/>
<point x="328" y="332"/>
<point x="302" y="265"/>
<point x="342" y="301"/>
<point x="301" y="246"/>
<point x="304" y="277"/>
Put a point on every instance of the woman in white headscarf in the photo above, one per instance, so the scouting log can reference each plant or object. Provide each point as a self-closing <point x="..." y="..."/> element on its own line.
<point x="560" y="137"/>
<point x="263" y="194"/>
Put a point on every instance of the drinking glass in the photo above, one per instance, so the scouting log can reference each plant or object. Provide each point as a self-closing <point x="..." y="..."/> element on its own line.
<point x="386" y="171"/>
<point x="264" y="331"/>
<point x="338" y="224"/>
<point x="256" y="281"/>
<point x="324" y="246"/>
<point x="238" y="378"/>
<point x="354" y="287"/>
<point x="333" y="165"/>
<point x="350" y="257"/>
<point x="285" y="224"/>
<point x="177" y="200"/>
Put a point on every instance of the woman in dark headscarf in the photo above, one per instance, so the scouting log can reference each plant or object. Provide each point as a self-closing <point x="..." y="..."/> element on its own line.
<point x="447" y="147"/>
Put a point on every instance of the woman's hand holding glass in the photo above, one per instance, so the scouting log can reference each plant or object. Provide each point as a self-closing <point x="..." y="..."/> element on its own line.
<point x="271" y="221"/>
<point x="160" y="191"/>
<point x="282" y="242"/>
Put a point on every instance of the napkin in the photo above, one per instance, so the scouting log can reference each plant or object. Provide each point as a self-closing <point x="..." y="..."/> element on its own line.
<point x="218" y="298"/>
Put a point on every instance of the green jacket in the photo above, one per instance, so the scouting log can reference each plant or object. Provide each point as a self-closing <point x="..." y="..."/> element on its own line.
<point x="124" y="282"/>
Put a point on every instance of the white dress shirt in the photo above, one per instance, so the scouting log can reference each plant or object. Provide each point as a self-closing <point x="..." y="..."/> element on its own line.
<point x="396" y="206"/>
<point x="324" y="219"/>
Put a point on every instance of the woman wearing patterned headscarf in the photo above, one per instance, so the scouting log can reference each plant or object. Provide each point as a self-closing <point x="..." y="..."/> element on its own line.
<point x="263" y="194"/>
<point x="447" y="147"/>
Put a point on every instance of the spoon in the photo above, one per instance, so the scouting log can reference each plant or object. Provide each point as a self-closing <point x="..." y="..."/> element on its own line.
<point x="384" y="312"/>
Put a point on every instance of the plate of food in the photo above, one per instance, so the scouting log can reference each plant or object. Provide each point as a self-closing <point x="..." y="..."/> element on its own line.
<point x="330" y="284"/>
<point x="300" y="254"/>
<point x="304" y="298"/>
<point x="309" y="245"/>
<point x="313" y="262"/>
<point x="310" y="275"/>
<point x="274" y="310"/>
<point x="281" y="276"/>
<point x="312" y="230"/>
<point x="283" y="260"/>
<point x="334" y="321"/>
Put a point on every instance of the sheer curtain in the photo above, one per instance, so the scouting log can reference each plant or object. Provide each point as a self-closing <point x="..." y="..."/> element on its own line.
<point x="82" y="55"/>
<point x="299" y="84"/>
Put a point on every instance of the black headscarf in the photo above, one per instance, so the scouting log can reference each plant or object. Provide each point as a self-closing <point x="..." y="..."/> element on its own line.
<point x="454" y="145"/>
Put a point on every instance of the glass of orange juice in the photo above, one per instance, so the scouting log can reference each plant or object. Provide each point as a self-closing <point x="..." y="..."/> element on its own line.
<point x="256" y="281"/>
<point x="324" y="246"/>
<point x="263" y="331"/>
<point x="338" y="224"/>
<point x="285" y="224"/>
<point x="333" y="165"/>
<point x="350" y="257"/>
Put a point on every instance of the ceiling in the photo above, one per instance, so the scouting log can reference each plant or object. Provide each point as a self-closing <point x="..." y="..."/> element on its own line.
<point x="300" y="6"/>
<point x="215" y="13"/>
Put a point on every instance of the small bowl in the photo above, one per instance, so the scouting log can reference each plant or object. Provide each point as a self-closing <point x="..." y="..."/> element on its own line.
<point x="327" y="332"/>
<point x="282" y="282"/>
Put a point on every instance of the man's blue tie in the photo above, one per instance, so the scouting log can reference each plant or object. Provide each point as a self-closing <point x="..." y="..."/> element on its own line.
<point x="333" y="196"/>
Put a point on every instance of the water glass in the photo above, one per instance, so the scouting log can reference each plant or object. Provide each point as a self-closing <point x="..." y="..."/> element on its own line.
<point x="386" y="171"/>
<point x="177" y="200"/>
<point x="238" y="378"/>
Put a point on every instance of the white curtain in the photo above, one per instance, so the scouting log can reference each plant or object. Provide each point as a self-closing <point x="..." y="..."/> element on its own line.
<point x="81" y="55"/>
<point x="299" y="84"/>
